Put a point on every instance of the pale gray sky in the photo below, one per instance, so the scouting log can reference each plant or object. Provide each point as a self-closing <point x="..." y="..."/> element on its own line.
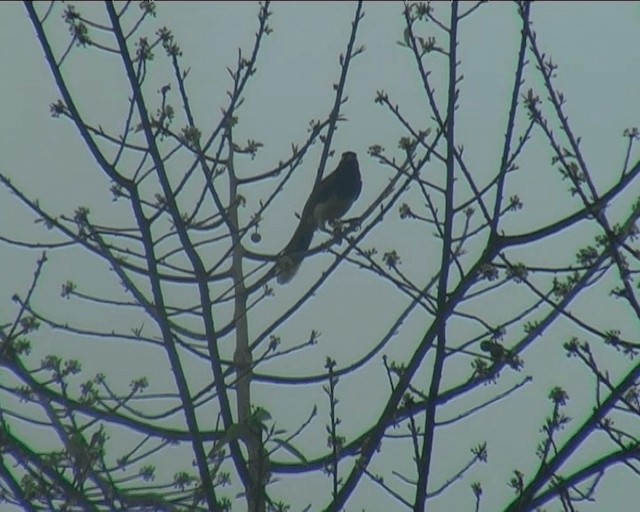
<point x="595" y="47"/>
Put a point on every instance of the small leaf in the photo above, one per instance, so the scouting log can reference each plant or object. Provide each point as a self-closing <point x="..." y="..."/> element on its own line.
<point x="291" y="449"/>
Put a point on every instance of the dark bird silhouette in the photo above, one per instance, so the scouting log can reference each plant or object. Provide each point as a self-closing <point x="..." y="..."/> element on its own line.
<point x="329" y="201"/>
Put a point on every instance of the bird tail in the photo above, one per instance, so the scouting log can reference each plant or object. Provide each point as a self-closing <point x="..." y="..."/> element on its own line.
<point x="293" y="254"/>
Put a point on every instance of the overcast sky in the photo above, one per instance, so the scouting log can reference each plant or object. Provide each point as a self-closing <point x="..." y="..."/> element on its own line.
<point x="595" y="45"/>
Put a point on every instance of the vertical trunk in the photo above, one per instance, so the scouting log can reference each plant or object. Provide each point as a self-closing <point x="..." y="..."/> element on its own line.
<point x="243" y="361"/>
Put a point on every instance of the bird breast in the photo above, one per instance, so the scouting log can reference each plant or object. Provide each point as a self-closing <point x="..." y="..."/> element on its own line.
<point x="330" y="210"/>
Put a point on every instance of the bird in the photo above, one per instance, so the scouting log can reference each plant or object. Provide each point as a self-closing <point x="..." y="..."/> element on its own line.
<point x="329" y="201"/>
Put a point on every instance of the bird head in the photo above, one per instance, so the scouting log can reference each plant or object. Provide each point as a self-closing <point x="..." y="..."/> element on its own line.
<point x="349" y="156"/>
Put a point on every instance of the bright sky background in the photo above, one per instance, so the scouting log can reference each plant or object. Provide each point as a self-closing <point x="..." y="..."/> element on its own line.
<point x="595" y="45"/>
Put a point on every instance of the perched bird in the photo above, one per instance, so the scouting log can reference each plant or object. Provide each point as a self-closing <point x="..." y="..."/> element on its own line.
<point x="329" y="201"/>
